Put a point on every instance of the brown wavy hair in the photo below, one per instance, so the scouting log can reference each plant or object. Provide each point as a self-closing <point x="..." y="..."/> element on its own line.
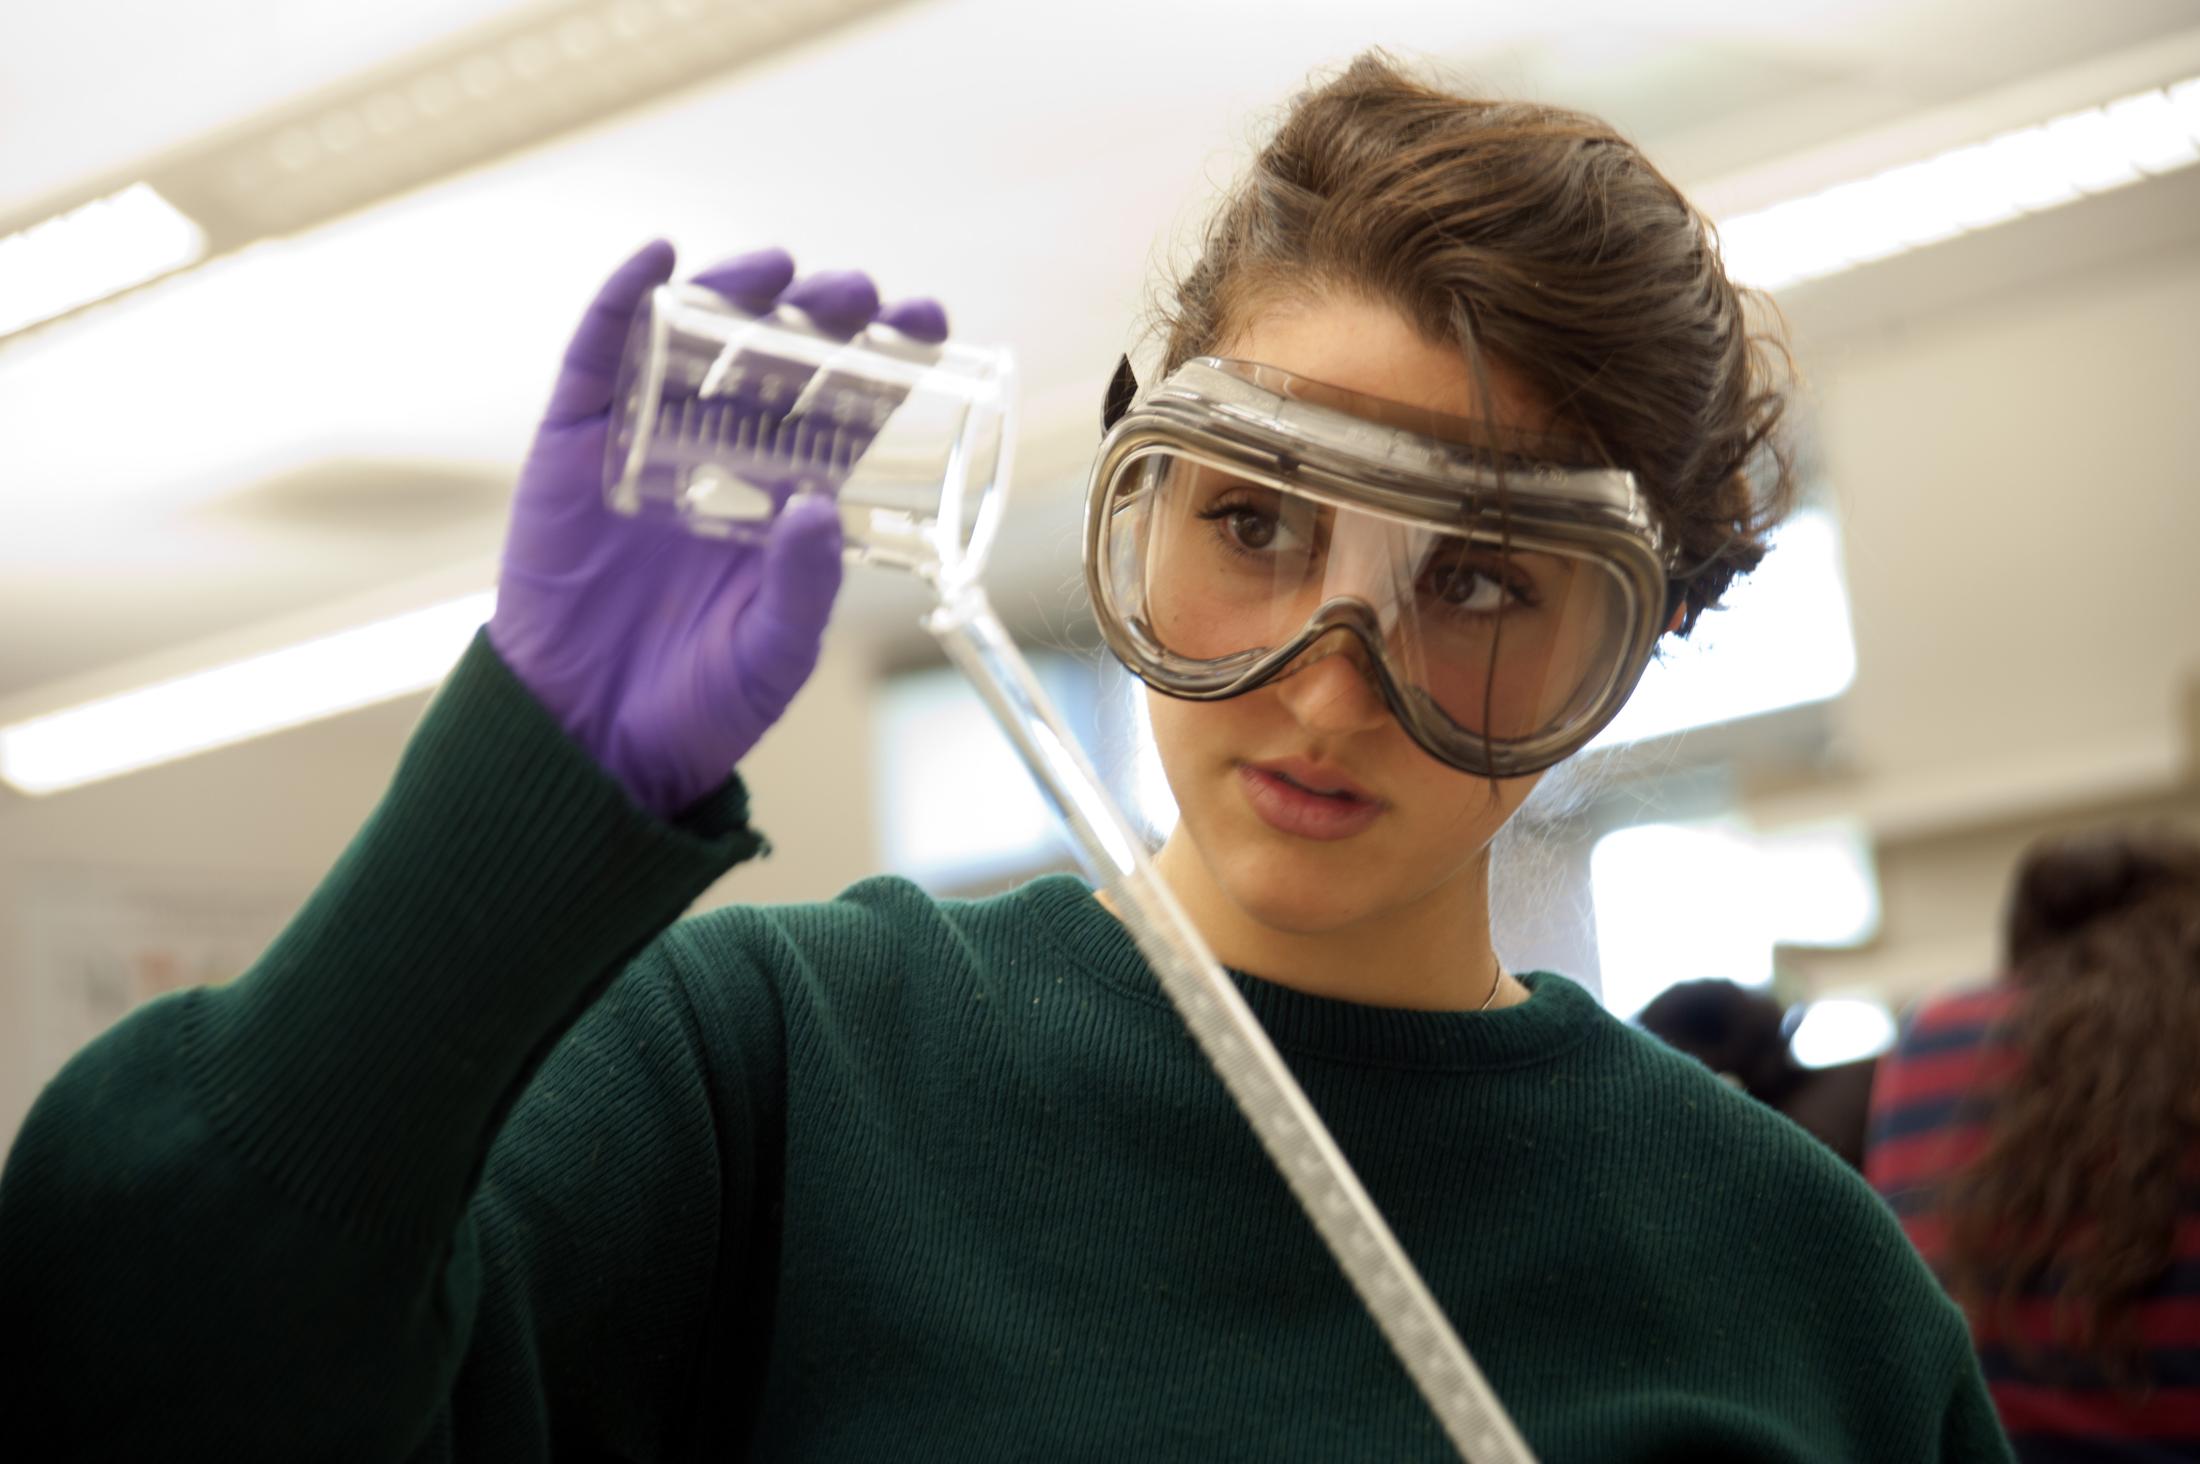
<point x="2086" y="1167"/>
<point x="1537" y="239"/>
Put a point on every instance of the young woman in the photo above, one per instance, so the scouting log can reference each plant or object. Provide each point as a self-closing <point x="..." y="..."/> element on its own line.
<point x="487" y="1158"/>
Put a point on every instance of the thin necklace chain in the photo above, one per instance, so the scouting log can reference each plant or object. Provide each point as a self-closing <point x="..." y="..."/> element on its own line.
<point x="1497" y="979"/>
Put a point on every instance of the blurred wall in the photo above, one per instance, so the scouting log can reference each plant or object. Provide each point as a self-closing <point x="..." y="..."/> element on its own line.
<point x="1943" y="898"/>
<point x="2014" y="464"/>
<point x="241" y="835"/>
<point x="2021" y="485"/>
<point x="2019" y="478"/>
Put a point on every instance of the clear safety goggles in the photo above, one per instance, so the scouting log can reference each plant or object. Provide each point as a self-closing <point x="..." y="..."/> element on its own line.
<point x="1242" y="523"/>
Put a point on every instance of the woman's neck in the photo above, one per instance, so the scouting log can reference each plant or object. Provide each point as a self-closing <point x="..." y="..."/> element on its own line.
<point x="1433" y="954"/>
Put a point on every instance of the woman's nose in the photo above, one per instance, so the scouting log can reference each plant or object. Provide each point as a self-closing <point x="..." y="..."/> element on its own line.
<point x="1331" y="689"/>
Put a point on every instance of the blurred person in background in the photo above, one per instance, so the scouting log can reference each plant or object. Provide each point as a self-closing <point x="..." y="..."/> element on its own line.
<point x="489" y="1158"/>
<point x="2040" y="1138"/>
<point x="1742" y="1035"/>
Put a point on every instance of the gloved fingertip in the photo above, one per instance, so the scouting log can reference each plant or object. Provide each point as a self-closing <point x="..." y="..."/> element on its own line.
<point x="770" y="257"/>
<point x="752" y="280"/>
<point x="808" y="525"/>
<point x="921" y="319"/>
<point x="802" y="572"/>
<point x="840" y="301"/>
<point x="644" y="270"/>
<point x="654" y="260"/>
<point x="584" y="387"/>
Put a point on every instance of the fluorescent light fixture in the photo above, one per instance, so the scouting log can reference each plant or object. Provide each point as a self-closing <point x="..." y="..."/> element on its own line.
<point x="89" y="253"/>
<point x="298" y="684"/>
<point x="1841" y="1030"/>
<point x="2028" y="170"/>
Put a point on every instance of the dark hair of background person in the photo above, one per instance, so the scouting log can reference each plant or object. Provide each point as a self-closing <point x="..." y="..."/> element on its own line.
<point x="2081" y="1180"/>
<point x="1742" y="1035"/>
<point x="1536" y="239"/>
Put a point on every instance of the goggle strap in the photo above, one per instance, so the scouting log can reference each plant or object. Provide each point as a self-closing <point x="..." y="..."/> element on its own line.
<point x="1122" y="391"/>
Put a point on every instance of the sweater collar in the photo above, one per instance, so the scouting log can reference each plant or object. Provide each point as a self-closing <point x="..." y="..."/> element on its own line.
<point x="1557" y="1015"/>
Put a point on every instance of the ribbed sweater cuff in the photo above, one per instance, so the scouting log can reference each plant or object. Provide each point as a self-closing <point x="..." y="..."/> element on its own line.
<point x="365" y="1062"/>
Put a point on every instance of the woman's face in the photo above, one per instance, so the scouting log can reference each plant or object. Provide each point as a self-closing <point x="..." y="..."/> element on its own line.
<point x="1302" y="864"/>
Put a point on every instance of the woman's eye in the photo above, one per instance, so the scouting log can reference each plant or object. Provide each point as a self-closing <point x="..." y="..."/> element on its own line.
<point x="1262" y="526"/>
<point x="1464" y="587"/>
<point x="1251" y="528"/>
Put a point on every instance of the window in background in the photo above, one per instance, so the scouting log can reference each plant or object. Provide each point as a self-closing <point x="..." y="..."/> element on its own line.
<point x="1677" y="902"/>
<point x="1841" y="1030"/>
<point x="956" y="810"/>
<point x="1782" y="640"/>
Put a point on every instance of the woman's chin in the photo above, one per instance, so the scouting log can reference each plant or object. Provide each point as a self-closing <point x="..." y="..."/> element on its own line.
<point x="1302" y="900"/>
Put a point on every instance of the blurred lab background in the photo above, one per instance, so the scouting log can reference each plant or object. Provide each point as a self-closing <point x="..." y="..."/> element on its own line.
<point x="283" y="282"/>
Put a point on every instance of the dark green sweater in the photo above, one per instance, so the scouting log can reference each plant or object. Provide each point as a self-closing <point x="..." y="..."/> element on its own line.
<point x="884" y="1177"/>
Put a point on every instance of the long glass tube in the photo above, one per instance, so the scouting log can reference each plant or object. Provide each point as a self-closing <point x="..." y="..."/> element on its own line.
<point x="1227" y="1031"/>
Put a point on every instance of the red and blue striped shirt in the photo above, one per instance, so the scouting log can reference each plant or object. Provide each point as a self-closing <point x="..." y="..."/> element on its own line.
<point x="1932" y="1113"/>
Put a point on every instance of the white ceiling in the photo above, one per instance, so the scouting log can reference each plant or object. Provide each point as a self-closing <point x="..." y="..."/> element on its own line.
<point x="329" y="414"/>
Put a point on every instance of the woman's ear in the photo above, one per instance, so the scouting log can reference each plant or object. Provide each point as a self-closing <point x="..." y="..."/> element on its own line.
<point x="1676" y="605"/>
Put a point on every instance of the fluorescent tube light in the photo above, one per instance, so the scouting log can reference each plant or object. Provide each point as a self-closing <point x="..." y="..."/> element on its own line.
<point x="247" y="698"/>
<point x="89" y="253"/>
<point x="2027" y="170"/>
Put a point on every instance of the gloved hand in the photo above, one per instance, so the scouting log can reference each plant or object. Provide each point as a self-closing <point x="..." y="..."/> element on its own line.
<point x="664" y="655"/>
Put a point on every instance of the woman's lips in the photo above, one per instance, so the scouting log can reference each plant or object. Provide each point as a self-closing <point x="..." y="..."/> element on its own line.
<point x="1291" y="809"/>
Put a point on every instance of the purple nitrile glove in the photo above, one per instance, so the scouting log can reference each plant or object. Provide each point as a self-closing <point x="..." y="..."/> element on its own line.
<point x="667" y="656"/>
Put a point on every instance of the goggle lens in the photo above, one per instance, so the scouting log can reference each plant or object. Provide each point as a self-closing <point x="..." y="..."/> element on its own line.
<point x="1506" y="636"/>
